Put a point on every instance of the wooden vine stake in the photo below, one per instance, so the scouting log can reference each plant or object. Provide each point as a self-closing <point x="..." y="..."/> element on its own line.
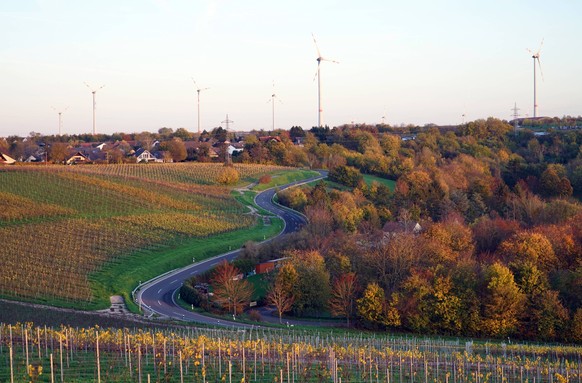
<point x="98" y="359"/>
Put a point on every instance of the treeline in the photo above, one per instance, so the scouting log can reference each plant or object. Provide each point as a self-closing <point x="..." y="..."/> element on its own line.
<point x="498" y="246"/>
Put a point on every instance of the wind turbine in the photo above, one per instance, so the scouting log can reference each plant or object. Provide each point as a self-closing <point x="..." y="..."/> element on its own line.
<point x="320" y="58"/>
<point x="536" y="57"/>
<point x="93" y="91"/>
<point x="198" y="90"/>
<point x="60" y="117"/>
<point x="272" y="101"/>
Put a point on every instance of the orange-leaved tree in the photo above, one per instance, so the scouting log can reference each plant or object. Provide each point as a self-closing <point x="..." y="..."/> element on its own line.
<point x="342" y="302"/>
<point x="230" y="291"/>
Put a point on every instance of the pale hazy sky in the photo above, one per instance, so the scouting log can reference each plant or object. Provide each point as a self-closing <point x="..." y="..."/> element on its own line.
<point x="410" y="61"/>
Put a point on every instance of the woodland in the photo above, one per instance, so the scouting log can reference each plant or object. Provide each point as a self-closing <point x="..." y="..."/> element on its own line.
<point x="497" y="251"/>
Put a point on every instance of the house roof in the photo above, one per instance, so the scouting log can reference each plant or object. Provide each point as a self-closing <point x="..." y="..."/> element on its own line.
<point x="270" y="138"/>
<point x="401" y="227"/>
<point x="6" y="159"/>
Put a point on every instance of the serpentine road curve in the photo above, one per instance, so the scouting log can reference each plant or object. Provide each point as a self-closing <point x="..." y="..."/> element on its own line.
<point x="157" y="295"/>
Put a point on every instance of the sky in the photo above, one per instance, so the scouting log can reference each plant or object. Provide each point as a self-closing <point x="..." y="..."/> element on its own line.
<point x="400" y="62"/>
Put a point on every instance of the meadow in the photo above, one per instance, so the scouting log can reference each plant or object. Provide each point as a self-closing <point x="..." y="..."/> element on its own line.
<point x="65" y="354"/>
<point x="73" y="236"/>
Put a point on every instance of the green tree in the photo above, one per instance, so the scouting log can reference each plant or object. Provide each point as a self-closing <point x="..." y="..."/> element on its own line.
<point x="313" y="285"/>
<point x="346" y="175"/>
<point x="182" y="134"/>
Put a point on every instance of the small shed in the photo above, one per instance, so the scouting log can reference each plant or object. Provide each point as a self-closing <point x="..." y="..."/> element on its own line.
<point x="268" y="266"/>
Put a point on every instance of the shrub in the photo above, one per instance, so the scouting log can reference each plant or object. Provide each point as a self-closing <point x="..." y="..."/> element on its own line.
<point x="255" y="316"/>
<point x="265" y="179"/>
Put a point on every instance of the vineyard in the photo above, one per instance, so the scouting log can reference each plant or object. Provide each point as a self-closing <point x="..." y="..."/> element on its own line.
<point x="41" y="354"/>
<point x="61" y="225"/>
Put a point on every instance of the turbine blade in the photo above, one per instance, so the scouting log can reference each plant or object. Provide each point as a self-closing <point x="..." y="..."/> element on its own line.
<point x="330" y="60"/>
<point x="315" y="76"/>
<point x="194" y="81"/>
<point x="316" y="46"/>
<point x="540" y="48"/>
<point x="88" y="86"/>
<point x="540" y="66"/>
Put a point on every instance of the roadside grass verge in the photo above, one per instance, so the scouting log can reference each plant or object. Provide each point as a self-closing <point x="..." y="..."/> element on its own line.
<point x="247" y="198"/>
<point x="121" y="278"/>
<point x="283" y="178"/>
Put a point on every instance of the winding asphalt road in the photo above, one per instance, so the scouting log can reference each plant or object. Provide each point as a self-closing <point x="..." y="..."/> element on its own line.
<point x="157" y="295"/>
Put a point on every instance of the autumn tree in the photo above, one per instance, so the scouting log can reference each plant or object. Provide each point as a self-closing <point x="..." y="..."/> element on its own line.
<point x="58" y="152"/>
<point x="373" y="309"/>
<point x="429" y="302"/>
<point x="282" y="291"/>
<point x="294" y="198"/>
<point x="527" y="247"/>
<point x="342" y="302"/>
<point x="228" y="176"/>
<point x="502" y="302"/>
<point x="547" y="316"/>
<point x="576" y="326"/>
<point x="313" y="287"/>
<point x="230" y="291"/>
<point x="552" y="183"/>
<point x="347" y="214"/>
<point x="177" y="149"/>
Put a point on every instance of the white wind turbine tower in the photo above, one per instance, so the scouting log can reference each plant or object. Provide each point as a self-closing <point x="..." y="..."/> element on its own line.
<point x="272" y="101"/>
<point x="536" y="57"/>
<point x="318" y="75"/>
<point x="60" y="117"/>
<point x="93" y="91"/>
<point x="198" y="90"/>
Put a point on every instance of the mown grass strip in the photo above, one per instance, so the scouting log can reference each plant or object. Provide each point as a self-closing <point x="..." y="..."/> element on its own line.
<point x="286" y="177"/>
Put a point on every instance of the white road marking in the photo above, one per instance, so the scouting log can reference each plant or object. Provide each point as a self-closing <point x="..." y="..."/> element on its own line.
<point x="159" y="303"/>
<point x="159" y="291"/>
<point x="194" y="272"/>
<point x="174" y="281"/>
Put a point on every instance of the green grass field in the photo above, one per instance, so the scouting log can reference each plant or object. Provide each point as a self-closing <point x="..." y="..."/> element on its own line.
<point x="369" y="179"/>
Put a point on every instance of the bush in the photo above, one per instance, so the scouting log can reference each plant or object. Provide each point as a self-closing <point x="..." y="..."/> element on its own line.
<point x="228" y="176"/>
<point x="265" y="179"/>
<point x="346" y="175"/>
<point x="255" y="316"/>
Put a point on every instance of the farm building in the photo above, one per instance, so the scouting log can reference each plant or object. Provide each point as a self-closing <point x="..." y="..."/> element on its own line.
<point x="268" y="266"/>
